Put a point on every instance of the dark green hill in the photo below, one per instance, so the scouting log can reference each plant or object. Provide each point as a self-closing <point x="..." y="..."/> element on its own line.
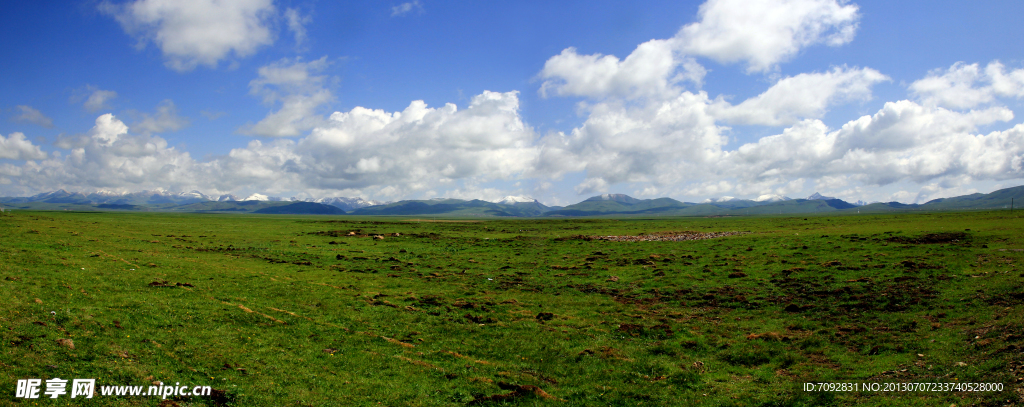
<point x="228" y="206"/>
<point x="618" y="204"/>
<point x="302" y="208"/>
<point x="994" y="200"/>
<point x="454" y="207"/>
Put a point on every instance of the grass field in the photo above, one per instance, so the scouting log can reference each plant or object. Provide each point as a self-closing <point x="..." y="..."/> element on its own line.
<point x="315" y="311"/>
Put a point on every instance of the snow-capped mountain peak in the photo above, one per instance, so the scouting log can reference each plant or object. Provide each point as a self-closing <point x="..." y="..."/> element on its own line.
<point x="257" y="197"/>
<point x="347" y="204"/>
<point x="722" y="199"/>
<point x="513" y="199"/>
<point x="194" y="194"/>
<point x="771" y="198"/>
<point x="818" y="196"/>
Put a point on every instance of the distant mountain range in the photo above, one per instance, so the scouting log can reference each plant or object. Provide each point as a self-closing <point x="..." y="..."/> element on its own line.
<point x="509" y="206"/>
<point x="164" y="200"/>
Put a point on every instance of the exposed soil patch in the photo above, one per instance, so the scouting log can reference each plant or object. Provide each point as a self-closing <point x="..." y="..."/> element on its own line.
<point x="665" y="236"/>
<point x="518" y="392"/>
<point x="944" y="237"/>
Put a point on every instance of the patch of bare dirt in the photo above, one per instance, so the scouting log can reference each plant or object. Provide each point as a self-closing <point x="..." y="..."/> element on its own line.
<point x="665" y="236"/>
<point x="518" y="392"/>
<point x="931" y="238"/>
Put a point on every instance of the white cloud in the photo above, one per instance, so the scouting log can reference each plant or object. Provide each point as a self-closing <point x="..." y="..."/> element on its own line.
<point x="964" y="86"/>
<point x="807" y="95"/>
<point x="421" y="147"/>
<point x="297" y="25"/>
<point x="405" y="8"/>
<point x="97" y="99"/>
<point x="651" y="70"/>
<point x="764" y="33"/>
<point x="16" y="147"/>
<point x="165" y="119"/>
<point x="108" y="130"/>
<point x="675" y="146"/>
<point x="660" y="142"/>
<point x="903" y="141"/>
<point x="362" y="151"/>
<point x="109" y="157"/>
<point x="301" y="90"/>
<point x="31" y="115"/>
<point x="193" y="33"/>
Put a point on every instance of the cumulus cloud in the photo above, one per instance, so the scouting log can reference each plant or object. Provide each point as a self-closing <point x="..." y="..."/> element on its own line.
<point x="405" y="8"/>
<point x="807" y="95"/>
<point x="651" y="70"/>
<point x="31" y="115"/>
<point x="676" y="146"/>
<point x="764" y="33"/>
<point x="660" y="142"/>
<point x="363" y="151"/>
<point x="109" y="157"/>
<point x="420" y="147"/>
<point x="163" y="120"/>
<point x="193" y="33"/>
<point x="299" y="87"/>
<point x="16" y="147"/>
<point x="964" y="86"/>
<point x="902" y="141"/>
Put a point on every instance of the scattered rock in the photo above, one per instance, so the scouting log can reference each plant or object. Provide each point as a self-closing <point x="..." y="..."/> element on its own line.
<point x="612" y="279"/>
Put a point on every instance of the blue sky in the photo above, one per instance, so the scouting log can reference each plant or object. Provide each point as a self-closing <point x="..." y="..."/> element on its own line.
<point x="864" y="100"/>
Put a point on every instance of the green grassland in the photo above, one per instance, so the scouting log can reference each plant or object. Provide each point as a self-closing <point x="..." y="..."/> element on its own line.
<point x="315" y="311"/>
